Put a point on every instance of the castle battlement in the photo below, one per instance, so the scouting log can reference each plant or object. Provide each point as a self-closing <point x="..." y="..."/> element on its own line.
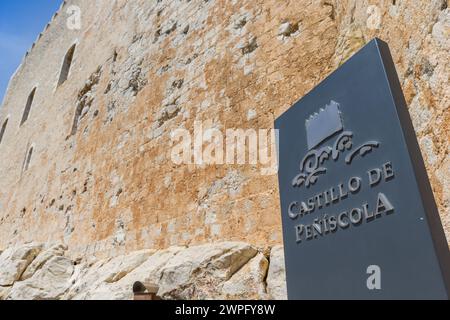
<point x="323" y="124"/>
<point x="47" y="26"/>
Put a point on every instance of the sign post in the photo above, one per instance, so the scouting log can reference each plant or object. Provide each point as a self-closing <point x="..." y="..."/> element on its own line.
<point x="359" y="217"/>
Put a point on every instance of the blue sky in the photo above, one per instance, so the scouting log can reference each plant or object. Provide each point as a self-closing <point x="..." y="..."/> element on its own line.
<point x="20" y="23"/>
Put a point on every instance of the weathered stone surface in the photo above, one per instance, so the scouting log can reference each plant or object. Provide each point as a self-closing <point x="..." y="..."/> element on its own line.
<point x="286" y="29"/>
<point x="150" y="271"/>
<point x="42" y="258"/>
<point x="441" y="29"/>
<point x="276" y="277"/>
<point x="49" y="282"/>
<point x="197" y="272"/>
<point x="14" y="261"/>
<point x="228" y="270"/>
<point x="192" y="273"/>
<point x="189" y="273"/>
<point x="110" y="187"/>
<point x="92" y="281"/>
<point x="4" y="291"/>
<point x="249" y="282"/>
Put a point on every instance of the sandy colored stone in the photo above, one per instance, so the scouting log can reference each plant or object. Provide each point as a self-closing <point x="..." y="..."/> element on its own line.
<point x="93" y="279"/>
<point x="48" y="283"/>
<point x="249" y="282"/>
<point x="197" y="272"/>
<point x="14" y="261"/>
<point x="441" y="29"/>
<point x="150" y="270"/>
<point x="42" y="258"/>
<point x="4" y="291"/>
<point x="276" y="276"/>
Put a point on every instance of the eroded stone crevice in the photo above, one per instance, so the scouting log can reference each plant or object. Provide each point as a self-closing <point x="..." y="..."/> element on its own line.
<point x="85" y="99"/>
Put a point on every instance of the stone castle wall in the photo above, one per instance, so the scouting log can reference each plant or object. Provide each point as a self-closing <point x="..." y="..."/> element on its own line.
<point x="144" y="68"/>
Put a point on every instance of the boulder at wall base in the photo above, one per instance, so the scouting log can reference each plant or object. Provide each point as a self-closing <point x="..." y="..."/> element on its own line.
<point x="14" y="261"/>
<point x="92" y="282"/>
<point x="198" y="272"/>
<point x="149" y="271"/>
<point x="49" y="282"/>
<point x="228" y="270"/>
<point x="42" y="258"/>
<point x="249" y="282"/>
<point x="181" y="273"/>
<point x="276" y="277"/>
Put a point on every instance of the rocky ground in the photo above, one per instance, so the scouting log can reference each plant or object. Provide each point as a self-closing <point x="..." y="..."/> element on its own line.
<point x="228" y="270"/>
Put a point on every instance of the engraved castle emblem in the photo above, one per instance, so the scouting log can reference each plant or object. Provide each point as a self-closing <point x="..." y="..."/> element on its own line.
<point x="320" y="127"/>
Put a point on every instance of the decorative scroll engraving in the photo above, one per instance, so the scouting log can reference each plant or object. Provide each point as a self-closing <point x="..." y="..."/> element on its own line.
<point x="362" y="150"/>
<point x="312" y="165"/>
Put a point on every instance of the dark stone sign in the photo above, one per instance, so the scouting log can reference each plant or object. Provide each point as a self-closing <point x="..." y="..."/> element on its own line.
<point x="359" y="217"/>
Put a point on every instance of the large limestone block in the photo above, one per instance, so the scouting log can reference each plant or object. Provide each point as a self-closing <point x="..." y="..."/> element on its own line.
<point x="198" y="272"/>
<point x="149" y="271"/>
<point x="248" y="283"/>
<point x="42" y="258"/>
<point x="14" y="260"/>
<point x="120" y="266"/>
<point x="276" y="277"/>
<point x="93" y="279"/>
<point x="48" y="283"/>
